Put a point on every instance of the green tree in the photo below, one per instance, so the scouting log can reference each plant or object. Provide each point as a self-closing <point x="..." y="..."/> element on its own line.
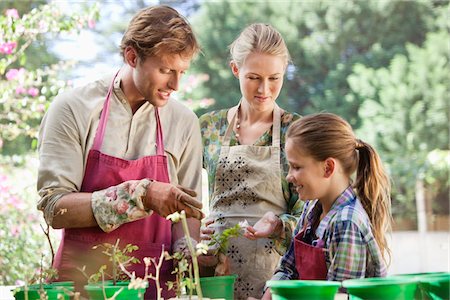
<point x="325" y="39"/>
<point x="406" y="114"/>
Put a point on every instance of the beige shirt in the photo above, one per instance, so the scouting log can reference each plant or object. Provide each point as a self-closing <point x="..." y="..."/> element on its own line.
<point x="68" y="129"/>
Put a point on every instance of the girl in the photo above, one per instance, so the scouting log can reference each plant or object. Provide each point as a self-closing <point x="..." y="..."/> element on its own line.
<point x="341" y="234"/>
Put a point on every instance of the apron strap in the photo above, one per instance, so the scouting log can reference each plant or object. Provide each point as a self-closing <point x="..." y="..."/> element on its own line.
<point x="98" y="140"/>
<point x="159" y="134"/>
<point x="100" y="133"/>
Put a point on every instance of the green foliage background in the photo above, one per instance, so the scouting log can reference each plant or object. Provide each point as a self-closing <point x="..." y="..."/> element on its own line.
<point x="383" y="65"/>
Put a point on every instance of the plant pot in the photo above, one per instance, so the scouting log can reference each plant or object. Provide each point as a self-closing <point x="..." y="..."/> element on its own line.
<point x="52" y="290"/>
<point x="303" y="289"/>
<point x="95" y="291"/>
<point x="426" y="286"/>
<point x="435" y="285"/>
<point x="218" y="287"/>
<point x="393" y="288"/>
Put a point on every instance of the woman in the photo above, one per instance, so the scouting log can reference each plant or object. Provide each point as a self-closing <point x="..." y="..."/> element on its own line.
<point x="243" y="155"/>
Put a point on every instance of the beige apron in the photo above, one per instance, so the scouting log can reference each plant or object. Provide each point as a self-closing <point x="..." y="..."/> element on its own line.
<point x="248" y="184"/>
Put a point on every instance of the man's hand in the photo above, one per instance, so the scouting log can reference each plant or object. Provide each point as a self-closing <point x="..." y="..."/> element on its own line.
<point x="206" y="230"/>
<point x="268" y="226"/>
<point x="165" y="199"/>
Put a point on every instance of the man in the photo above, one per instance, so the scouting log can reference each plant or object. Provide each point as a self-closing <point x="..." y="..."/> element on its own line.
<point x="108" y="151"/>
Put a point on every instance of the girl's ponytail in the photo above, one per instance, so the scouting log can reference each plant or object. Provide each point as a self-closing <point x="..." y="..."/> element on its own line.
<point x="373" y="188"/>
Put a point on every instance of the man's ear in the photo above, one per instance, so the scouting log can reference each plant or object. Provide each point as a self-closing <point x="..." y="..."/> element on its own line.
<point x="234" y="69"/>
<point x="330" y="167"/>
<point x="130" y="56"/>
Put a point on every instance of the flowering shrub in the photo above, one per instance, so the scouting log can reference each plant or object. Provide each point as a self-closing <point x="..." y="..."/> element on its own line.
<point x="23" y="244"/>
<point x="25" y="93"/>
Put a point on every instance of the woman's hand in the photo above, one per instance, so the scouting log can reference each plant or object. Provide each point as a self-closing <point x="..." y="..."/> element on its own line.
<point x="268" y="226"/>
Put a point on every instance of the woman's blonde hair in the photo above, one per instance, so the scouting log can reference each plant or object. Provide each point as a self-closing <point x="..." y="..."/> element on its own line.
<point x="326" y="135"/>
<point x="258" y="38"/>
<point x="159" y="30"/>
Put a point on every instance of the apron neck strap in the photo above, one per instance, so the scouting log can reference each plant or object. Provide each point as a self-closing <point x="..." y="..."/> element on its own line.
<point x="159" y="134"/>
<point x="100" y="133"/>
<point x="276" y="126"/>
<point x="98" y="140"/>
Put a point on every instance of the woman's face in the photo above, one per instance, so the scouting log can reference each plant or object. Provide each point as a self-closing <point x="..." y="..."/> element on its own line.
<point x="260" y="79"/>
<point x="305" y="173"/>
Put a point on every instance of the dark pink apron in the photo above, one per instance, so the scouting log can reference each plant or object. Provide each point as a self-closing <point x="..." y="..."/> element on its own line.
<point x="149" y="234"/>
<point x="309" y="260"/>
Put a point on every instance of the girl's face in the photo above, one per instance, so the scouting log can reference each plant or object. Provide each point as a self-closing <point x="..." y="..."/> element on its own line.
<point x="260" y="79"/>
<point x="305" y="173"/>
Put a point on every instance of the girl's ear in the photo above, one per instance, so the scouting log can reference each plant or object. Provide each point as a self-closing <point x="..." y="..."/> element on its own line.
<point x="330" y="167"/>
<point x="234" y="69"/>
<point x="130" y="56"/>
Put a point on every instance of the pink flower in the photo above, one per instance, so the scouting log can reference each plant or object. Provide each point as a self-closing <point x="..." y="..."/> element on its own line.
<point x="15" y="231"/>
<point x="122" y="207"/>
<point x="111" y="193"/>
<point x="7" y="47"/>
<point x="15" y="73"/>
<point x="20" y="90"/>
<point x="33" y="92"/>
<point x="12" y="13"/>
<point x="91" y="23"/>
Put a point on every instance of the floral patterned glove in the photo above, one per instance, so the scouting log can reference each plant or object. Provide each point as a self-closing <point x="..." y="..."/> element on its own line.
<point x="120" y="204"/>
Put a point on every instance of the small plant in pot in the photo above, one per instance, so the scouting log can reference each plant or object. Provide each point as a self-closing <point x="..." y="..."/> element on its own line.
<point x="219" y="286"/>
<point x="43" y="285"/>
<point x="122" y="284"/>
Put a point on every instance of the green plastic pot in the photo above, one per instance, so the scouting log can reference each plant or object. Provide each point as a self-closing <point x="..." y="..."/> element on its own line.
<point x="52" y="290"/>
<point x="422" y="291"/>
<point x="392" y="288"/>
<point x="435" y="285"/>
<point x="95" y="291"/>
<point x="303" y="289"/>
<point x="221" y="287"/>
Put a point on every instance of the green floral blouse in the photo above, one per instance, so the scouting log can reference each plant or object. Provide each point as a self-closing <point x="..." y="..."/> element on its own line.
<point x="213" y="126"/>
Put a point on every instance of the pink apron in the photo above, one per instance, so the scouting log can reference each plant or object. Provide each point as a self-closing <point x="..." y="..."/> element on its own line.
<point x="149" y="234"/>
<point x="309" y="260"/>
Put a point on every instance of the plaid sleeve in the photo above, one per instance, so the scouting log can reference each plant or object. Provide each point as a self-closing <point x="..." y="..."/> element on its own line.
<point x="290" y="220"/>
<point x="286" y="268"/>
<point x="347" y="252"/>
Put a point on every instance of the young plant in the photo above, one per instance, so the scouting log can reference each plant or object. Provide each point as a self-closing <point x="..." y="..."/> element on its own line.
<point x="219" y="243"/>
<point x="119" y="258"/>
<point x="184" y="266"/>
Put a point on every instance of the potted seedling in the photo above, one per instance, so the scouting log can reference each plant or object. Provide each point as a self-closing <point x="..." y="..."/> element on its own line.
<point x="121" y="283"/>
<point x="187" y="274"/>
<point x="43" y="285"/>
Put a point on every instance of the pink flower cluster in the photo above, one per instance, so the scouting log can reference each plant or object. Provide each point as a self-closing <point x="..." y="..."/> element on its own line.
<point x="7" y="47"/>
<point x="12" y="13"/>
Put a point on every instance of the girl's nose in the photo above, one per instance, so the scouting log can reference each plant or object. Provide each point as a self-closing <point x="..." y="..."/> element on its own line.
<point x="289" y="178"/>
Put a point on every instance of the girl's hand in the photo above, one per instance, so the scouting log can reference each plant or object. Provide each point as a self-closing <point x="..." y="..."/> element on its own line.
<point x="268" y="226"/>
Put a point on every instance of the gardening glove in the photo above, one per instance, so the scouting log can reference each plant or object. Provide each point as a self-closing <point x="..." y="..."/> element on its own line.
<point x="165" y="199"/>
<point x="120" y="204"/>
<point x="269" y="226"/>
<point x="206" y="230"/>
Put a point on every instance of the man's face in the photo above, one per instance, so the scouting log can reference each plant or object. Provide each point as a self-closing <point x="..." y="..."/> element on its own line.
<point x="155" y="78"/>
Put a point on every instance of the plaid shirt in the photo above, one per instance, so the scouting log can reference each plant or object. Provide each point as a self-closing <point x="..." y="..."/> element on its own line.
<point x="345" y="233"/>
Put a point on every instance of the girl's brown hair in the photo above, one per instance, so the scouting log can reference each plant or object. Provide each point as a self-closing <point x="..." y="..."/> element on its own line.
<point x="160" y="30"/>
<point x="326" y="135"/>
